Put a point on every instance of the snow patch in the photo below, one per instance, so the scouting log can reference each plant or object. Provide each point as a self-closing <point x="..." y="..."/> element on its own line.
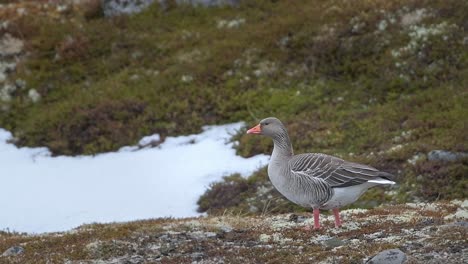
<point x="47" y="194"/>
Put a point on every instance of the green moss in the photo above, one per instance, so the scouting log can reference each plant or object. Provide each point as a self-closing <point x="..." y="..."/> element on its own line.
<point x="289" y="66"/>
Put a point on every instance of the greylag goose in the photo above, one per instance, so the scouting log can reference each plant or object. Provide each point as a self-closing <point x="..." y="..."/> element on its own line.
<point x="315" y="180"/>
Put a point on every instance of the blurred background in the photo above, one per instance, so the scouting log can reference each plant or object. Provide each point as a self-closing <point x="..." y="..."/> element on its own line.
<point x="383" y="83"/>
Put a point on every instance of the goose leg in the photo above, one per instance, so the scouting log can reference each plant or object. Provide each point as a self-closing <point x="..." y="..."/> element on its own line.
<point x="316" y="218"/>
<point x="316" y="221"/>
<point x="336" y="212"/>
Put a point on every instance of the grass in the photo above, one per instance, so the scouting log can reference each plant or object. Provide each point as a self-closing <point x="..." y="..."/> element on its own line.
<point x="342" y="82"/>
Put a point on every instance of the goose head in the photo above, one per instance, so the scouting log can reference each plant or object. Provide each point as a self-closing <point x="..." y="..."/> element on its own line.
<point x="270" y="127"/>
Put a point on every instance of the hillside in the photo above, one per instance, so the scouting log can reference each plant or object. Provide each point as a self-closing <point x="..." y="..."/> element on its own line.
<point x="379" y="82"/>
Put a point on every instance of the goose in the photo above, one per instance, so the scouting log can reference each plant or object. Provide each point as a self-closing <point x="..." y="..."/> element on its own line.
<point x="315" y="180"/>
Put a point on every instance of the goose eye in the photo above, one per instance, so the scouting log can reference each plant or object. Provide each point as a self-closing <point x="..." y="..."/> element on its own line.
<point x="266" y="123"/>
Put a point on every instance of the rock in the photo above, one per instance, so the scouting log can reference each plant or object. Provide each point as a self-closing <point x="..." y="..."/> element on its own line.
<point x="204" y="3"/>
<point x="375" y="235"/>
<point x="137" y="55"/>
<point x="413" y="18"/>
<point x="6" y="91"/>
<point x="264" y="238"/>
<point x="333" y="242"/>
<point x="197" y="255"/>
<point x="134" y="259"/>
<point x="461" y="213"/>
<point x="135" y="77"/>
<point x="208" y="2"/>
<point x="186" y="78"/>
<point x="93" y="247"/>
<point x="253" y="209"/>
<point x="461" y="223"/>
<point x="226" y="228"/>
<point x="21" y="84"/>
<point x="293" y="218"/>
<point x="235" y="23"/>
<point x="389" y="256"/>
<point x="13" y="251"/>
<point x="444" y="155"/>
<point x="200" y="235"/>
<point x="124" y="7"/>
<point x="10" y="46"/>
<point x="34" y="95"/>
<point x="5" y="69"/>
<point x="150" y="141"/>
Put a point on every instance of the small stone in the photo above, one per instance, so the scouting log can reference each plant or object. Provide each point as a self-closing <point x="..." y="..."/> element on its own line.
<point x="297" y="218"/>
<point x="444" y="155"/>
<point x="10" y="45"/>
<point x="284" y="41"/>
<point x="63" y="8"/>
<point x="5" y="69"/>
<point x="150" y="141"/>
<point x="414" y="17"/>
<point x="135" y="77"/>
<point x="226" y="228"/>
<point x="253" y="209"/>
<point x="21" y="11"/>
<point x="34" y="95"/>
<point x="186" y="78"/>
<point x="19" y="83"/>
<point x="293" y="218"/>
<point x="197" y="255"/>
<point x="460" y="223"/>
<point x="124" y="7"/>
<point x="390" y="256"/>
<point x="375" y="235"/>
<point x="333" y="242"/>
<point x="137" y="54"/>
<point x="395" y="148"/>
<point x="382" y="25"/>
<point x="200" y="235"/>
<point x="235" y="23"/>
<point x="13" y="251"/>
<point x="461" y="213"/>
<point x="193" y="224"/>
<point x="93" y="247"/>
<point x="264" y="238"/>
<point x="6" y="91"/>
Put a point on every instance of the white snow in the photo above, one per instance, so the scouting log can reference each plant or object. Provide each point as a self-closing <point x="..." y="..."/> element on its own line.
<point x="40" y="193"/>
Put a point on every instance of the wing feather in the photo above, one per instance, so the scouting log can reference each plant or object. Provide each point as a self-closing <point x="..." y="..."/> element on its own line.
<point x="334" y="171"/>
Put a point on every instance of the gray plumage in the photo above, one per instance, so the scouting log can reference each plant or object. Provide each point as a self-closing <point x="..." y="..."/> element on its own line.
<point x="315" y="180"/>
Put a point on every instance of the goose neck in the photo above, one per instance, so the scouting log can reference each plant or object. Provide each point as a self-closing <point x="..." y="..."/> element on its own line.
<point x="282" y="148"/>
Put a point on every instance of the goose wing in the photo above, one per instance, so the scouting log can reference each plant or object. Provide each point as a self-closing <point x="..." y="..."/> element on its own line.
<point x="335" y="171"/>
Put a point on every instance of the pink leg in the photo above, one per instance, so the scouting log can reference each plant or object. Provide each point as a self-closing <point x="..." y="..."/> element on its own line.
<point x="336" y="212"/>
<point x="316" y="218"/>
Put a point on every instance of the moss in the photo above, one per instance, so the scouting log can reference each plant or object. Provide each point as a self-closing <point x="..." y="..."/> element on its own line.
<point x="225" y="194"/>
<point x="294" y="67"/>
<point x="183" y="240"/>
<point x="343" y="83"/>
<point x="237" y="195"/>
<point x="439" y="180"/>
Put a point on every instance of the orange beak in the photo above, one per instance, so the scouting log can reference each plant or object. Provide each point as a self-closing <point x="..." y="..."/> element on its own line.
<point x="255" y="130"/>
